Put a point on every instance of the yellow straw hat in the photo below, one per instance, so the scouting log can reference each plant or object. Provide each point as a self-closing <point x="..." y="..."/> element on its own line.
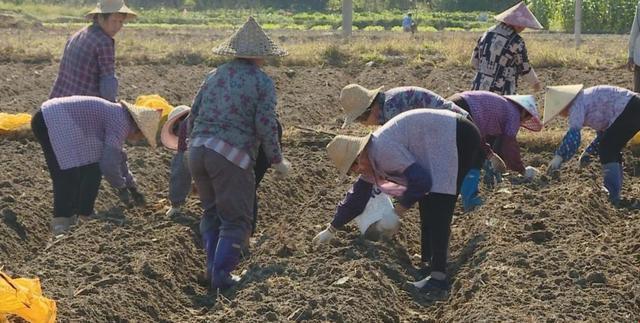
<point x="557" y="98"/>
<point x="250" y="41"/>
<point x="355" y="99"/>
<point x="343" y="151"/>
<point x="112" y="6"/>
<point x="519" y="15"/>
<point x="147" y="120"/>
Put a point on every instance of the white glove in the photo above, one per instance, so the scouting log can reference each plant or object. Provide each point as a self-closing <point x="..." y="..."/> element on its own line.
<point x="282" y="168"/>
<point x="498" y="164"/>
<point x="324" y="236"/>
<point x="530" y="172"/>
<point x="173" y="211"/>
<point x="554" y="164"/>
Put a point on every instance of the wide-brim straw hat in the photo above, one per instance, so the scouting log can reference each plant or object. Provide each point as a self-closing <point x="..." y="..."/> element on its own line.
<point x="250" y="41"/>
<point x="527" y="102"/>
<point x="355" y="99"/>
<point x="147" y="120"/>
<point x="112" y="6"/>
<point x="557" y="98"/>
<point x="168" y="138"/>
<point x="520" y="16"/>
<point x="343" y="151"/>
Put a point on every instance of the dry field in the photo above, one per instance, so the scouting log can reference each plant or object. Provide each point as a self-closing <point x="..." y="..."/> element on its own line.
<point x="548" y="250"/>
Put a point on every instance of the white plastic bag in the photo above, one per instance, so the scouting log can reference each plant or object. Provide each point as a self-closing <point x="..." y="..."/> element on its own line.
<point x="379" y="208"/>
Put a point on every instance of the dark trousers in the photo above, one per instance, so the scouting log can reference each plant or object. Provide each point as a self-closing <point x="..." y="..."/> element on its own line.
<point x="74" y="190"/>
<point x="436" y="209"/>
<point x="620" y="132"/>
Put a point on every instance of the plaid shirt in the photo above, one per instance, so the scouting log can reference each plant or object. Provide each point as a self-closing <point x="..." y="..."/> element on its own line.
<point x="496" y="117"/>
<point x="84" y="130"/>
<point x="88" y="56"/>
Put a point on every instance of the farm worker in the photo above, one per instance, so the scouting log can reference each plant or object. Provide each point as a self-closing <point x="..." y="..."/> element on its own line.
<point x="87" y="66"/>
<point x="232" y="114"/>
<point x="500" y="56"/>
<point x="498" y="118"/>
<point x="374" y="107"/>
<point x="82" y="139"/>
<point x="174" y="137"/>
<point x="634" y="50"/>
<point x="419" y="156"/>
<point x="613" y="112"/>
<point x="408" y="25"/>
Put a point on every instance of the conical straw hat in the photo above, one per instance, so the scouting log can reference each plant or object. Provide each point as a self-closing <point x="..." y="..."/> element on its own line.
<point x="111" y="6"/>
<point x="168" y="138"/>
<point x="355" y="100"/>
<point x="557" y="98"/>
<point x="250" y="41"/>
<point x="343" y="151"/>
<point x="519" y="15"/>
<point x="527" y="102"/>
<point x="147" y="121"/>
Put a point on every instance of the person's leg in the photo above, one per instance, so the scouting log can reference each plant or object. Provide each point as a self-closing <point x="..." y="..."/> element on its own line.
<point x="209" y="223"/>
<point x="89" y="185"/>
<point x="234" y="199"/>
<point x="63" y="193"/>
<point x="425" y="237"/>
<point x="179" y="182"/>
<point x="613" y="141"/>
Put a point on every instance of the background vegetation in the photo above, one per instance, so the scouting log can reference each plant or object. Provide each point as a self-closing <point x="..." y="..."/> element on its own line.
<point x="599" y="16"/>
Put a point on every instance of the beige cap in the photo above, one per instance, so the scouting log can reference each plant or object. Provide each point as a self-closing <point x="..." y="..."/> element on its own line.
<point x="355" y="99"/>
<point x="112" y="6"/>
<point x="557" y="98"/>
<point x="168" y="138"/>
<point x="520" y="16"/>
<point x="147" y="120"/>
<point x="528" y="103"/>
<point x="250" y="41"/>
<point x="343" y="151"/>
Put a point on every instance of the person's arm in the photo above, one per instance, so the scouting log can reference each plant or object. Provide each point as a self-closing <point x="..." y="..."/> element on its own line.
<point x="266" y="122"/>
<point x="569" y="145"/>
<point x="113" y="166"/>
<point x="419" y="183"/>
<point x="511" y="153"/>
<point x="106" y="60"/>
<point x="475" y="56"/>
<point x="633" y="35"/>
<point x="525" y="68"/>
<point x="353" y="203"/>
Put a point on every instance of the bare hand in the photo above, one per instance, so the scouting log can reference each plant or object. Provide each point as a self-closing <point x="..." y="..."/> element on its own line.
<point x="630" y="64"/>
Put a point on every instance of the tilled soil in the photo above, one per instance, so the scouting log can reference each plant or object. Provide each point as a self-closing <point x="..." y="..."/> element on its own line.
<point x="547" y="250"/>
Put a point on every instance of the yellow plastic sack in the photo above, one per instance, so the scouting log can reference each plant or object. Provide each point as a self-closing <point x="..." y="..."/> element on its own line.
<point x="635" y="140"/>
<point x="14" y="122"/>
<point x="155" y="101"/>
<point x="23" y="297"/>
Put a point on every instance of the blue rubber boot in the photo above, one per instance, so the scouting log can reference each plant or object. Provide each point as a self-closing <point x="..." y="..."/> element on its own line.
<point x="613" y="181"/>
<point x="226" y="259"/>
<point x="210" y="241"/>
<point x="469" y="190"/>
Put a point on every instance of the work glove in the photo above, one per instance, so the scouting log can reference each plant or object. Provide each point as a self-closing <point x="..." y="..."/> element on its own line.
<point x="137" y="197"/>
<point x="531" y="172"/>
<point x="491" y="176"/>
<point x="124" y="197"/>
<point x="554" y="164"/>
<point x="585" y="159"/>
<point x="324" y="236"/>
<point x="282" y="168"/>
<point x="497" y="164"/>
